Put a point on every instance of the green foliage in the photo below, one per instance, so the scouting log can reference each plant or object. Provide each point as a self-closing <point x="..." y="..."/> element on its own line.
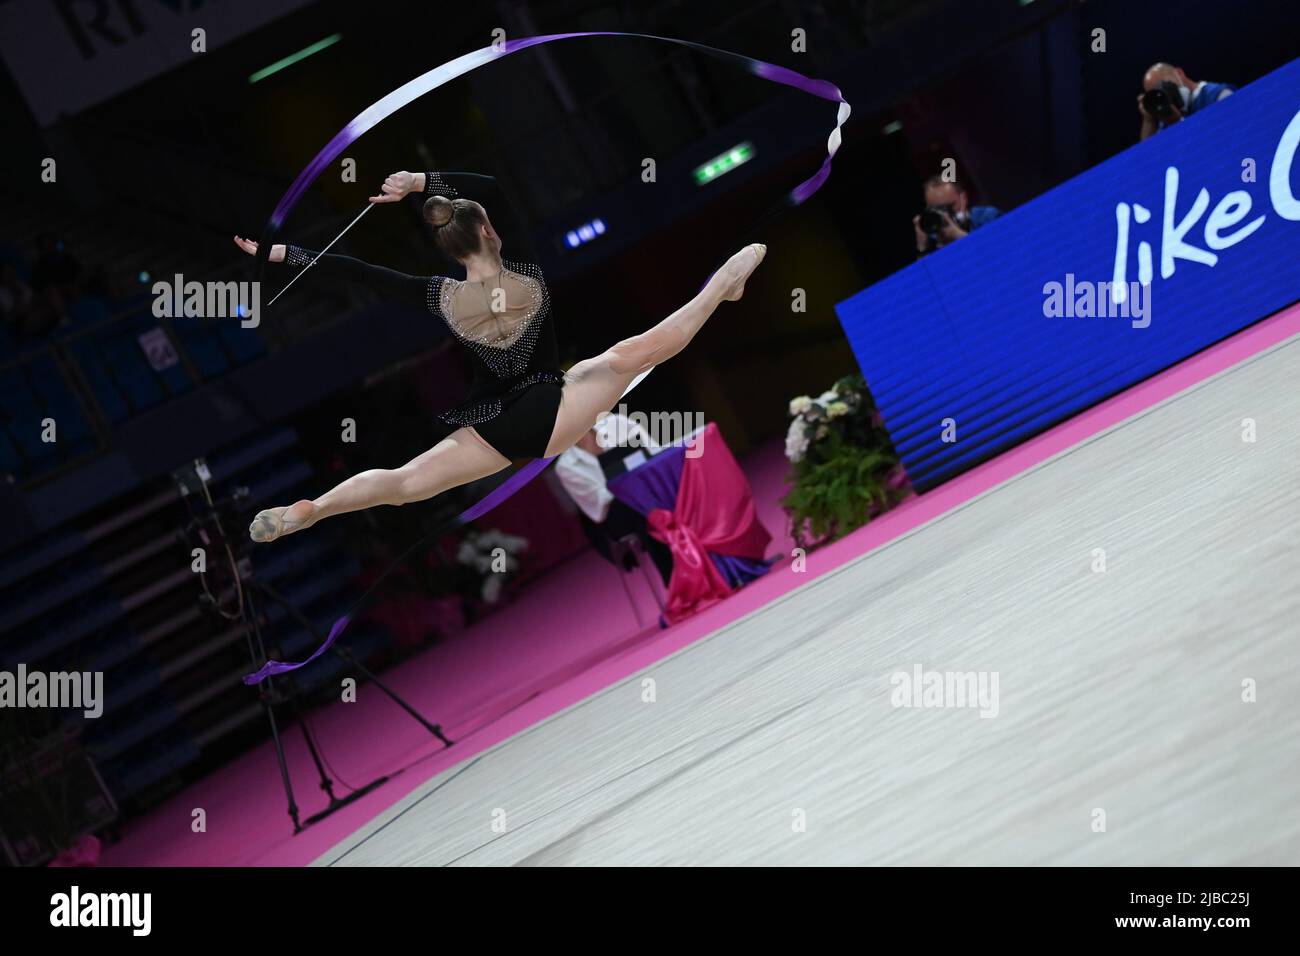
<point x="844" y="470"/>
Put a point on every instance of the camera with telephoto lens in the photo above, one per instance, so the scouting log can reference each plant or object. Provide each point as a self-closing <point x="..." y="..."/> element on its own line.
<point x="1162" y="101"/>
<point x="932" y="218"/>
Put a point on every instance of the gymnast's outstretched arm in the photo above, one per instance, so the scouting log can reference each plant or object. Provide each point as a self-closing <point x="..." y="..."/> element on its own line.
<point x="394" y="285"/>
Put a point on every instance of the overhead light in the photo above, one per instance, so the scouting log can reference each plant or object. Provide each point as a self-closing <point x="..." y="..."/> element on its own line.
<point x="723" y="163"/>
<point x="293" y="58"/>
<point x="585" y="233"/>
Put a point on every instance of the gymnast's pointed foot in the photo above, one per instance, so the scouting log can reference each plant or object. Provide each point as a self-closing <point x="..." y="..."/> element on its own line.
<point x="277" y="522"/>
<point x="739" y="268"/>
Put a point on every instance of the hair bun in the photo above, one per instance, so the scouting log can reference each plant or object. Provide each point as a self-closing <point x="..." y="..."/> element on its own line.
<point x="438" y="211"/>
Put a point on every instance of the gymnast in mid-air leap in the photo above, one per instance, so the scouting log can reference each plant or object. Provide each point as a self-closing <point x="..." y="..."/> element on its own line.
<point x="520" y="404"/>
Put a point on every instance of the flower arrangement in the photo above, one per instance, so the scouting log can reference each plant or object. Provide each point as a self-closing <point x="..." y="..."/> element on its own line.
<point x="491" y="554"/>
<point x="844" y="470"/>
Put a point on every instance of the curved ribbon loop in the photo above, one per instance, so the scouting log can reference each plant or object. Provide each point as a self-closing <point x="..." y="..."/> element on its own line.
<point x="428" y="82"/>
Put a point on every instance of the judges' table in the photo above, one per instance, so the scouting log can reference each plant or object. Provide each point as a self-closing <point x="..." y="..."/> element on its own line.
<point x="696" y="500"/>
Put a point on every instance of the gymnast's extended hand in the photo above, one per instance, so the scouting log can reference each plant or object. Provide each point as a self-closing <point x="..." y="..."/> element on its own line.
<point x="249" y="246"/>
<point x="398" y="186"/>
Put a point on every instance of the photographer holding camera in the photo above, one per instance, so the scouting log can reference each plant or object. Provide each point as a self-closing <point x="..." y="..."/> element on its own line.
<point x="947" y="215"/>
<point x="1168" y="95"/>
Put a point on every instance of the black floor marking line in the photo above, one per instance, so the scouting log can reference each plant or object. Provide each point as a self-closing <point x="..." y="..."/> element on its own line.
<point x="586" y="793"/>
<point x="674" y="775"/>
<point x="749" y="730"/>
<point x="457" y="772"/>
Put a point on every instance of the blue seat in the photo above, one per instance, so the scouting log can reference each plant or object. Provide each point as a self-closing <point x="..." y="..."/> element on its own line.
<point x="130" y="370"/>
<point x="128" y="726"/>
<point x="244" y="344"/>
<point x="249" y="454"/>
<point x="87" y="311"/>
<point x="200" y="341"/>
<point x="60" y="401"/>
<point x="22" y="412"/>
<point x="94" y="366"/>
<point x="136" y="680"/>
<point x="73" y="598"/>
<point x="52" y="548"/>
<point x="116" y="645"/>
<point x="300" y="555"/>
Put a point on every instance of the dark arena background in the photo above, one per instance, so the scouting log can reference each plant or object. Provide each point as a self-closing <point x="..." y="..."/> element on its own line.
<point x="967" y="536"/>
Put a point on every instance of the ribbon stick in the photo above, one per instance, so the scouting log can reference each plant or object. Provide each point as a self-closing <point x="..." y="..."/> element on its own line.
<point x="427" y="83"/>
<point x="303" y="270"/>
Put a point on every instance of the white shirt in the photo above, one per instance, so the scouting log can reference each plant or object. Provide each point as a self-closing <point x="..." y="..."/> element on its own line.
<point x="579" y="470"/>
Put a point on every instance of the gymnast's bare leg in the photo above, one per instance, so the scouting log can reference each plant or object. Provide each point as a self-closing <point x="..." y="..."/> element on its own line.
<point x="458" y="459"/>
<point x="591" y="387"/>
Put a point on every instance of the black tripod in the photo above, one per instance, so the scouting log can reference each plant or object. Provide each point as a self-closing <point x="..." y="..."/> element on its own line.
<point x="260" y="657"/>
<point x="193" y="480"/>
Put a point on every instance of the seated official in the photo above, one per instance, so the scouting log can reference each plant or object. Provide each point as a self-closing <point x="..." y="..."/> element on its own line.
<point x="604" y="518"/>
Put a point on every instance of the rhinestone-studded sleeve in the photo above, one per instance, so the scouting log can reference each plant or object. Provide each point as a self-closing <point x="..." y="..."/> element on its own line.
<point x="435" y="185"/>
<point x="391" y="284"/>
<point x="297" y="256"/>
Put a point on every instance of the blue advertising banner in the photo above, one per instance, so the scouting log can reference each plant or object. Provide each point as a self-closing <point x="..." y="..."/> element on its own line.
<point x="1155" y="254"/>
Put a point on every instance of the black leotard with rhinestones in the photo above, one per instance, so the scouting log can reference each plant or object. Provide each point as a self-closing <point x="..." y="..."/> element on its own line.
<point x="508" y="356"/>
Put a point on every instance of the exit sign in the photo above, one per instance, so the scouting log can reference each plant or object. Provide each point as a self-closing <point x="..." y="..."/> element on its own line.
<point x="723" y="163"/>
